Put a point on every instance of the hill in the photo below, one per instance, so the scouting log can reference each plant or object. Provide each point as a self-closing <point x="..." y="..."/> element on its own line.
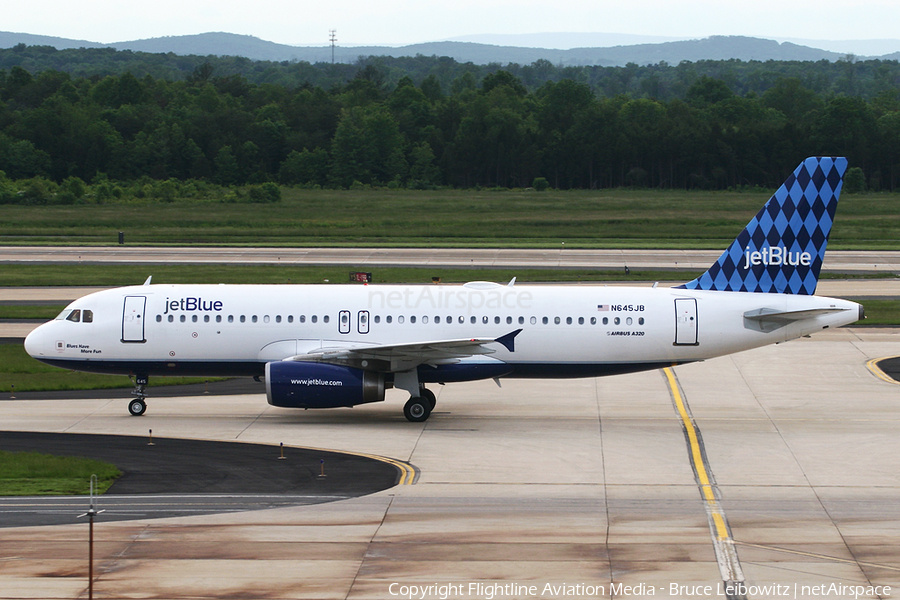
<point x="671" y="52"/>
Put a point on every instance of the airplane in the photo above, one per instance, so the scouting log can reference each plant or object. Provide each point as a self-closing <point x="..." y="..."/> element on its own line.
<point x="327" y="346"/>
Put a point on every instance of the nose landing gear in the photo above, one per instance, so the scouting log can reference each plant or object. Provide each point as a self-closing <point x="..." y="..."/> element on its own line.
<point x="138" y="405"/>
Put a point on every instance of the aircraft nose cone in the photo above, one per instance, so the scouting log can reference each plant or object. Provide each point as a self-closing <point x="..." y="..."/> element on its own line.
<point x="36" y="342"/>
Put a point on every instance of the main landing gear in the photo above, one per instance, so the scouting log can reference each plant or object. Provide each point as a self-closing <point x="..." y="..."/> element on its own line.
<point x="418" y="408"/>
<point x="138" y="405"/>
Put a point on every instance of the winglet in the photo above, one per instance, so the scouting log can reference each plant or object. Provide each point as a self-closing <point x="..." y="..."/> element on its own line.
<point x="509" y="340"/>
<point x="148" y="280"/>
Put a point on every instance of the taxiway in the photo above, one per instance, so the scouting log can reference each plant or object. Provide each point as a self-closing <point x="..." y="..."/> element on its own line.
<point x="583" y="482"/>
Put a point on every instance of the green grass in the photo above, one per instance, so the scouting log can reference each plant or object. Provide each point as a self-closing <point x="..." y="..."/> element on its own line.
<point x="34" y="474"/>
<point x="21" y="373"/>
<point x="25" y="275"/>
<point x="448" y="218"/>
<point x="880" y="311"/>
<point x="29" y="311"/>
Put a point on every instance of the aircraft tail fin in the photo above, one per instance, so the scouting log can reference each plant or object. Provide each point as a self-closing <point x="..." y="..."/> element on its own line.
<point x="782" y="248"/>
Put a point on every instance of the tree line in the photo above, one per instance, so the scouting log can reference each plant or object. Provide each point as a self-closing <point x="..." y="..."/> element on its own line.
<point x="496" y="129"/>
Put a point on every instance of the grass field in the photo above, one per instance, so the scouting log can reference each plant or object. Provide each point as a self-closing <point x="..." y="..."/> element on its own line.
<point x="21" y="373"/>
<point x="449" y="218"/>
<point x="34" y="474"/>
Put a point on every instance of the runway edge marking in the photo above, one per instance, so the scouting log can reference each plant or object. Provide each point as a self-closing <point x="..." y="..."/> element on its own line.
<point x="723" y="544"/>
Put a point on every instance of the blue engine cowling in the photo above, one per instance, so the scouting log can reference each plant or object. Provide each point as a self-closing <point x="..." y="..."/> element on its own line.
<point x="295" y="384"/>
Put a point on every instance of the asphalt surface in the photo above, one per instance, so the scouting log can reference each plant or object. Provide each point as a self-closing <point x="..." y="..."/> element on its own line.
<point x="890" y="367"/>
<point x="177" y="477"/>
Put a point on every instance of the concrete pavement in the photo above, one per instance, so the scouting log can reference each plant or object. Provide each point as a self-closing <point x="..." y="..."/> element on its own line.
<point x="577" y="483"/>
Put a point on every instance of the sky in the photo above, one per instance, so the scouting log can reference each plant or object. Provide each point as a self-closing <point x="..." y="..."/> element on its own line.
<point x="401" y="22"/>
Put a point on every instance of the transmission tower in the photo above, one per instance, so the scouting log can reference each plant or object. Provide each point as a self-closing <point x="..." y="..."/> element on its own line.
<point x="332" y="35"/>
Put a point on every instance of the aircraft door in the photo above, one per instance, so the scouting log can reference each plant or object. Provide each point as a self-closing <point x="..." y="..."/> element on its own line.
<point x="363" y="321"/>
<point x="344" y="321"/>
<point x="133" y="319"/>
<point x="686" y="322"/>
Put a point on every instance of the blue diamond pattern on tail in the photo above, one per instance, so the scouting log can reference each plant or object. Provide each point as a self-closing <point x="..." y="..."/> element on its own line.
<point x="782" y="248"/>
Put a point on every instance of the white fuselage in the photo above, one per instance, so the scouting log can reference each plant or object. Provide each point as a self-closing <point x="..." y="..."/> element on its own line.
<point x="566" y="330"/>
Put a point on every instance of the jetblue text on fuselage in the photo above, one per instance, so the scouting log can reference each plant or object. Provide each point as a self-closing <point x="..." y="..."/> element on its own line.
<point x="776" y="255"/>
<point x="192" y="304"/>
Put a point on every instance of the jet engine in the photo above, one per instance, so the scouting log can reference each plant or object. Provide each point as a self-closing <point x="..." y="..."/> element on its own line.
<point x="296" y="384"/>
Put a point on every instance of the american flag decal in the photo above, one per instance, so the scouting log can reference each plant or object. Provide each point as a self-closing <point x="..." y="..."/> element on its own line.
<point x="603" y="307"/>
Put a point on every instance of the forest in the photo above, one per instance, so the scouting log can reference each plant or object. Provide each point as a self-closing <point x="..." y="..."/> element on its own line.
<point x="165" y="126"/>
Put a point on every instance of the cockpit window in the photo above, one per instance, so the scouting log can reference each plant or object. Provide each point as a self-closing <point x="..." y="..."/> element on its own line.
<point x="76" y="316"/>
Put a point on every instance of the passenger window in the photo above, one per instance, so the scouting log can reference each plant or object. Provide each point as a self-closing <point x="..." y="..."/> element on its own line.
<point x="593" y="320"/>
<point x="159" y="318"/>
<point x="509" y="320"/>
<point x="556" y="320"/>
<point x="231" y="318"/>
<point x="303" y="318"/>
<point x="206" y="318"/>
<point x="74" y="316"/>
<point x="194" y="318"/>
<point x="641" y="321"/>
<point x="254" y="319"/>
<point x="290" y="318"/>
<point x="326" y="318"/>
<point x="473" y="320"/>
<point x="484" y="319"/>
<point x="581" y="320"/>
<point x="278" y="318"/>
<point x="617" y="320"/>
<point x="496" y="320"/>
<point x="545" y="320"/>
<point x="266" y="319"/>
<point x="87" y="316"/>
<point x="388" y="319"/>
<point x="568" y="320"/>
<point x="314" y="318"/>
<point x="243" y="319"/>
<point x="218" y="318"/>
<point x="521" y="320"/>
<point x="171" y="318"/>
<point x="412" y="319"/>
<point x="606" y="320"/>
<point x="377" y="318"/>
<point x="182" y="318"/>
<point x="534" y="320"/>
<point x="400" y="319"/>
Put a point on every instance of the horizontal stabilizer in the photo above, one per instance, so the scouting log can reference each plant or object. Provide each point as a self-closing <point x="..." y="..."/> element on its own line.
<point x="769" y="319"/>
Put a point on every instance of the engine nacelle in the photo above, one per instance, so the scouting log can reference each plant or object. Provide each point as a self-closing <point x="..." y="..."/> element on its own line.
<point x="296" y="384"/>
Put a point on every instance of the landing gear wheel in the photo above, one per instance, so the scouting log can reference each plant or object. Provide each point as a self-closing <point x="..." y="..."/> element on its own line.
<point x="427" y="394"/>
<point x="137" y="407"/>
<point x="417" y="409"/>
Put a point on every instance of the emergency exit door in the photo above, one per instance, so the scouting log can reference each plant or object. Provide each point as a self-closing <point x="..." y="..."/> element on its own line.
<point x="686" y="322"/>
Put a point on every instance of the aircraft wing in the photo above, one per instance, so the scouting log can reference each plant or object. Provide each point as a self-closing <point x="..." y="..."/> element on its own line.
<point x="403" y="357"/>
